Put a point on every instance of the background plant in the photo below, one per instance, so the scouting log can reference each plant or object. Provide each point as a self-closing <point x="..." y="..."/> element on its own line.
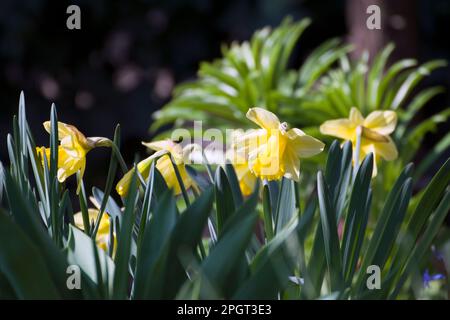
<point x="253" y="73"/>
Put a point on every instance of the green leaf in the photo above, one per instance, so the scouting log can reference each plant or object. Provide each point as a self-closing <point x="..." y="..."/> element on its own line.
<point x="81" y="253"/>
<point x="112" y="208"/>
<point x="23" y="265"/>
<point x="433" y="155"/>
<point x="285" y="205"/>
<point x="387" y="227"/>
<point x="267" y="210"/>
<point x="26" y="217"/>
<point x="183" y="244"/>
<point x="419" y="251"/>
<point x="224" y="198"/>
<point x="271" y="267"/>
<point x="121" y="276"/>
<point x="330" y="235"/>
<point x="218" y="266"/>
<point x="391" y="73"/>
<point x="414" y="78"/>
<point x="148" y="283"/>
<point x="234" y="184"/>
<point x="109" y="182"/>
<point x="375" y="75"/>
<point x="357" y="218"/>
<point x="428" y="201"/>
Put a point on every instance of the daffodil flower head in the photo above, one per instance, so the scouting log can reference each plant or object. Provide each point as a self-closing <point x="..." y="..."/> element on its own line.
<point x="165" y="149"/>
<point x="247" y="180"/>
<point x="375" y="132"/>
<point x="274" y="150"/>
<point x="102" y="238"/>
<point x="72" y="150"/>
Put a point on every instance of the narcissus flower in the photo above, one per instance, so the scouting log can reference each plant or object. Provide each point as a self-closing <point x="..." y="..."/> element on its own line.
<point x="375" y="130"/>
<point x="274" y="150"/>
<point x="247" y="180"/>
<point x="164" y="165"/>
<point x="102" y="237"/>
<point x="72" y="150"/>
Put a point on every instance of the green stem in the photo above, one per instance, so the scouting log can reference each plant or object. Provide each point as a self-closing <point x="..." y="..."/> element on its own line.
<point x="180" y="182"/>
<point x="208" y="168"/>
<point x="84" y="208"/>
<point x="119" y="157"/>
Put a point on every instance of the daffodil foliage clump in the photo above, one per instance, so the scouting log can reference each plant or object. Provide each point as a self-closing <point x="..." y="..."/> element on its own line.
<point x="242" y="229"/>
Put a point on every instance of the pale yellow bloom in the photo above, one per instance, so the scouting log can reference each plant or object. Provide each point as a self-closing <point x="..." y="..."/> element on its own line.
<point x="375" y="131"/>
<point x="72" y="150"/>
<point x="247" y="180"/>
<point x="274" y="150"/>
<point x="164" y="165"/>
<point x="102" y="237"/>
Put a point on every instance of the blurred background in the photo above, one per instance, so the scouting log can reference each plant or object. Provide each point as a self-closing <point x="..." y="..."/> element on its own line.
<point x="124" y="62"/>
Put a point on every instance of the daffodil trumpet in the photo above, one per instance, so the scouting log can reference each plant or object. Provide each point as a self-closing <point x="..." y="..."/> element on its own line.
<point x="72" y="150"/>
<point x="368" y="135"/>
<point x="170" y="160"/>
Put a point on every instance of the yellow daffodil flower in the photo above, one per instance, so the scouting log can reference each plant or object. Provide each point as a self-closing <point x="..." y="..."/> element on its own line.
<point x="247" y="180"/>
<point x="102" y="237"/>
<point x="274" y="150"/>
<point x="164" y="165"/>
<point x="375" y="130"/>
<point x="72" y="150"/>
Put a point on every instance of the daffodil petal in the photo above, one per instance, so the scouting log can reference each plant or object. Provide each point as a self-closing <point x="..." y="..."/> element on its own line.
<point x="340" y="128"/>
<point x="387" y="150"/>
<point x="160" y="145"/>
<point x="165" y="167"/>
<point x="356" y="117"/>
<point x="143" y="167"/>
<point x="263" y="118"/>
<point x="292" y="166"/>
<point x="247" y="179"/>
<point x="304" y="145"/>
<point x="365" y="150"/>
<point x="383" y="122"/>
<point x="70" y="167"/>
<point x="63" y="130"/>
<point x="102" y="237"/>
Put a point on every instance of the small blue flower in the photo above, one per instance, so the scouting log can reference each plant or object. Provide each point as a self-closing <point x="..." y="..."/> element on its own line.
<point x="427" y="278"/>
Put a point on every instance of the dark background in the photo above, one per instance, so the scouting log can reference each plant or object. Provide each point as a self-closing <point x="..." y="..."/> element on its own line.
<point x="128" y="55"/>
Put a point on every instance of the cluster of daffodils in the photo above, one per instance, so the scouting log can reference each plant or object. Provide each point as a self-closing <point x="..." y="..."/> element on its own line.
<point x="270" y="152"/>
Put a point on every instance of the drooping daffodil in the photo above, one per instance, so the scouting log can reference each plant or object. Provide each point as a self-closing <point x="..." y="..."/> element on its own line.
<point x="274" y="150"/>
<point x="374" y="130"/>
<point x="72" y="150"/>
<point x="164" y="149"/>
